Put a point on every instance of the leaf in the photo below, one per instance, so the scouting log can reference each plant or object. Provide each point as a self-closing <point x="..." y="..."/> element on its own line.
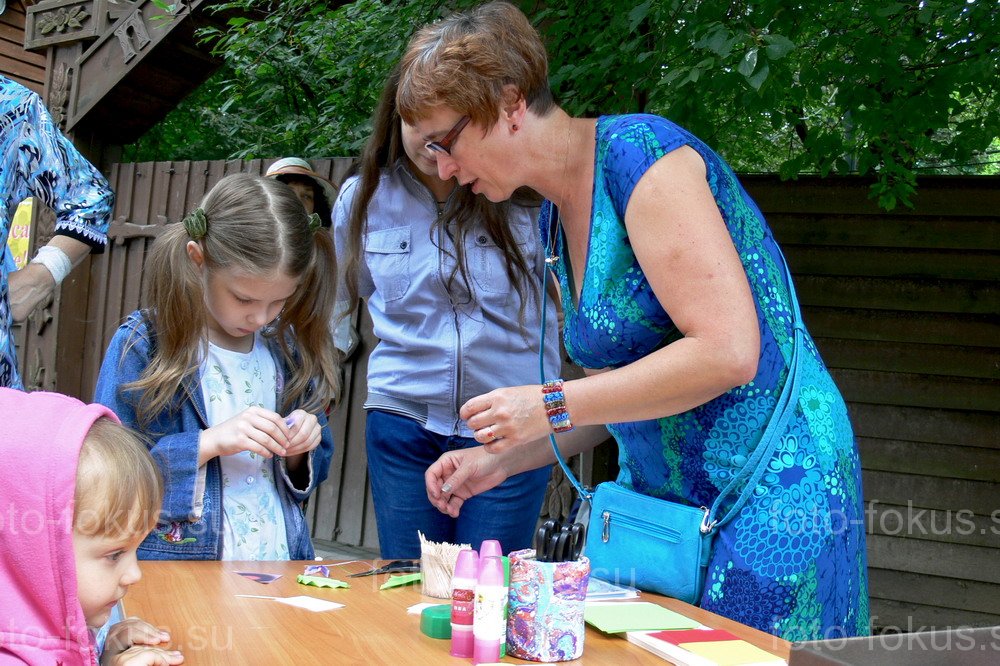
<point x="718" y="42"/>
<point x="757" y="80"/>
<point x="890" y="10"/>
<point x="778" y="46"/>
<point x="637" y="15"/>
<point x="675" y="73"/>
<point x="749" y="63"/>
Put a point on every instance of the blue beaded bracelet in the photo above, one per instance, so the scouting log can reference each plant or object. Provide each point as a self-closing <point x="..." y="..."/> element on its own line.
<point x="555" y="406"/>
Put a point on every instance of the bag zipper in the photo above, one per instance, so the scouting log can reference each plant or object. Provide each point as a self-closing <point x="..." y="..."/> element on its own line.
<point x="638" y="525"/>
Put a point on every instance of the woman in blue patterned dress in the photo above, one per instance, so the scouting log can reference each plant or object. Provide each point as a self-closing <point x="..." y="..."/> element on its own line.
<point x="36" y="160"/>
<point x="675" y="297"/>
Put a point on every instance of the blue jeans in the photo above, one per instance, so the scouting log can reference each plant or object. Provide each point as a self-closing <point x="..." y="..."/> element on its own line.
<point x="399" y="452"/>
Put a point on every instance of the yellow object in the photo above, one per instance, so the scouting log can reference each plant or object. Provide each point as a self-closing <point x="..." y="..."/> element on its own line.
<point x="20" y="234"/>
<point x="731" y="653"/>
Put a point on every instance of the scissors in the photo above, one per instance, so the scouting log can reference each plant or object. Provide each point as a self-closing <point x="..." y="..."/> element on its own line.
<point x="555" y="542"/>
<point x="396" y="566"/>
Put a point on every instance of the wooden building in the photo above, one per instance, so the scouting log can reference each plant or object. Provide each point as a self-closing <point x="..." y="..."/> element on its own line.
<point x="25" y="67"/>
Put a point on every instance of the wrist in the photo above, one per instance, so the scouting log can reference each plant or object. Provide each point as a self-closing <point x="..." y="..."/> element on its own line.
<point x="294" y="461"/>
<point x="555" y="406"/>
<point x="55" y="260"/>
<point x="206" y="447"/>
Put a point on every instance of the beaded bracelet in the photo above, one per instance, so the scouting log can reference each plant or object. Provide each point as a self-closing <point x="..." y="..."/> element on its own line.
<point x="555" y="405"/>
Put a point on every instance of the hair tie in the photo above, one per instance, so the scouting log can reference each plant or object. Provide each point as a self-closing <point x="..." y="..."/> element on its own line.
<point x="314" y="222"/>
<point x="196" y="224"/>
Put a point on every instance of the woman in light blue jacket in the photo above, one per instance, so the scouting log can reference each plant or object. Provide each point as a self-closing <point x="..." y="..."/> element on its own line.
<point x="452" y="284"/>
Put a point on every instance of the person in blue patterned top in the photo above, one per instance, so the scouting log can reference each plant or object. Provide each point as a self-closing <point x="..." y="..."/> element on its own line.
<point x="37" y="160"/>
<point x="676" y="303"/>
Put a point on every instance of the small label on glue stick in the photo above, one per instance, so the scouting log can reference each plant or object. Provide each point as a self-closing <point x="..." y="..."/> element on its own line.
<point x="462" y="606"/>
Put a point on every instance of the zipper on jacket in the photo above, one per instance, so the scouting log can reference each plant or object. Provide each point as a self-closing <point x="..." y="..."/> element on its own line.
<point x="442" y="232"/>
<point x="438" y="213"/>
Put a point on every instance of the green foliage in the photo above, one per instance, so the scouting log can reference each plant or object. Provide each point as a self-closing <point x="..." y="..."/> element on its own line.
<point x="300" y="78"/>
<point x="870" y="87"/>
<point x="864" y="87"/>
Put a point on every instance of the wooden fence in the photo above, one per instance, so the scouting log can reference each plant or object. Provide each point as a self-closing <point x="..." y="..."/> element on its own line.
<point x="903" y="306"/>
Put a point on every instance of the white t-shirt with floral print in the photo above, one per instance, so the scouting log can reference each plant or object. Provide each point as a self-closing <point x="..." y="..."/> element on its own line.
<point x="253" y="526"/>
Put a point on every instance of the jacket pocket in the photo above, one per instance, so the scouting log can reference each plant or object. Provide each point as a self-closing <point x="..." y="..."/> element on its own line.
<point x="387" y="253"/>
<point x="489" y="265"/>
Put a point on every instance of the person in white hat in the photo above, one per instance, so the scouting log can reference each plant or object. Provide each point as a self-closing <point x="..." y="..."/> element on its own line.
<point x="316" y="192"/>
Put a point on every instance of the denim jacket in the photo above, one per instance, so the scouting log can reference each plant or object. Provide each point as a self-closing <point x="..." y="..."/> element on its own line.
<point x="437" y="350"/>
<point x="183" y="532"/>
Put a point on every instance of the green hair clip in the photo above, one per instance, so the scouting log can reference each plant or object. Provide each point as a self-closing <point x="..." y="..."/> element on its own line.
<point x="314" y="222"/>
<point x="196" y="224"/>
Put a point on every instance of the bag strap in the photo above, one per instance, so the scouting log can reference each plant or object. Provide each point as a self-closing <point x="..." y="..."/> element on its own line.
<point x="551" y="236"/>
<point x="776" y="426"/>
<point x="755" y="467"/>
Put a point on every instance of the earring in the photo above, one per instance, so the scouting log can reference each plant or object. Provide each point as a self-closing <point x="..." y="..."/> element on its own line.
<point x="514" y="127"/>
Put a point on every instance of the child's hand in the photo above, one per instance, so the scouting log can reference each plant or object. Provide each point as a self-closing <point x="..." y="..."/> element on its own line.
<point x="305" y="432"/>
<point x="133" y="631"/>
<point x="255" y="429"/>
<point x="132" y="641"/>
<point x="144" y="655"/>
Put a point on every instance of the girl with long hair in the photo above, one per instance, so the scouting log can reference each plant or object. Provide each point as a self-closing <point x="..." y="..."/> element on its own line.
<point x="451" y="281"/>
<point x="229" y="372"/>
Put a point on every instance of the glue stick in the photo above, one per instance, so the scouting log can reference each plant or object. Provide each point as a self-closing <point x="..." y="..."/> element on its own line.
<point x="492" y="548"/>
<point x="463" y="591"/>
<point x="488" y="625"/>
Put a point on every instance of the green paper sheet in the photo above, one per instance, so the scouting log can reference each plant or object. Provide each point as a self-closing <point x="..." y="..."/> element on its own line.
<point x="616" y="617"/>
<point x="319" y="581"/>
<point x="396" y="581"/>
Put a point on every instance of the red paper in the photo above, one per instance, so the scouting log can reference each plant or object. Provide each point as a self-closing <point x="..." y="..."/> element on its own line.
<point x="678" y="636"/>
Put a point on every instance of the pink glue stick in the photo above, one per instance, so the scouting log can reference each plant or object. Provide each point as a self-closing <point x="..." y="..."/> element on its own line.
<point x="489" y="626"/>
<point x="490" y="548"/>
<point x="463" y="597"/>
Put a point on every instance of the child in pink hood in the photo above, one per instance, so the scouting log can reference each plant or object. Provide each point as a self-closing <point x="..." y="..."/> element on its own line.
<point x="78" y="493"/>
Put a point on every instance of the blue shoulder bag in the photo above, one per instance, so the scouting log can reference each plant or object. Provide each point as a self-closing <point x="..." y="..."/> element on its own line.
<point x="662" y="546"/>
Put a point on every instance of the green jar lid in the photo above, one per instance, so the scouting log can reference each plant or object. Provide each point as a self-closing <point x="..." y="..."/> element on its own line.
<point x="435" y="621"/>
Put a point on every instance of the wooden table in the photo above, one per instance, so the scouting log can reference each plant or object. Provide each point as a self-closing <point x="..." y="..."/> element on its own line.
<point x="196" y="603"/>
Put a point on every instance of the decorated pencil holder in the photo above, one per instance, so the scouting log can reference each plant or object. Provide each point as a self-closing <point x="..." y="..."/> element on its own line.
<point x="545" y="607"/>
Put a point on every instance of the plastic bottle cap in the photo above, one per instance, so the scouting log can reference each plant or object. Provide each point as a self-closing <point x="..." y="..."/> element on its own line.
<point x="490" y="548"/>
<point x="435" y="621"/>
<point x="467" y="564"/>
<point x="491" y="571"/>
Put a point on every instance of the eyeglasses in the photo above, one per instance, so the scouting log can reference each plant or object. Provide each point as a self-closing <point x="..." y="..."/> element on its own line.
<point x="444" y="145"/>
